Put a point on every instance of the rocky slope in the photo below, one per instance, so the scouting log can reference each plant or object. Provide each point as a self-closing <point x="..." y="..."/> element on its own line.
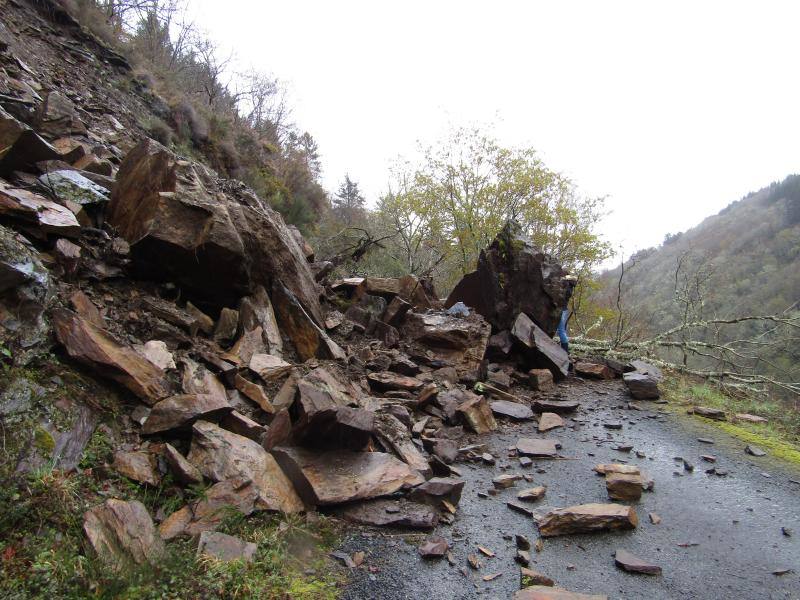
<point x="164" y="332"/>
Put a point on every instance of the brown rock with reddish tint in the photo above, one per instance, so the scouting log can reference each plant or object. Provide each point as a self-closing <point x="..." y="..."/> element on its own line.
<point x="92" y="346"/>
<point x="57" y="117"/>
<point x="532" y="494"/>
<point x="749" y="418"/>
<point x="243" y="425"/>
<point x="538" y="448"/>
<point x="82" y="305"/>
<point x="227" y="325"/>
<point x="333" y="477"/>
<point x="604" y="469"/>
<point x="387" y="381"/>
<point x="395" y="437"/>
<point x="476" y="414"/>
<point x="183" y="471"/>
<point x="279" y="430"/>
<point x="624" y="486"/>
<point x="434" y="547"/>
<point x="437" y="489"/>
<point x="239" y="495"/>
<point x="709" y="413"/>
<point x="196" y="379"/>
<point x="593" y="370"/>
<point x="540" y="349"/>
<point x="254" y="392"/>
<point x="642" y="386"/>
<point x="550" y="421"/>
<point x="628" y="562"/>
<point x="541" y="380"/>
<point x="179" y="412"/>
<point x="327" y="413"/>
<point x="139" y="466"/>
<point x="183" y="227"/>
<point x="201" y="321"/>
<point x="395" y="312"/>
<point x="587" y="518"/>
<point x="543" y="592"/>
<point x="220" y="455"/>
<point x="255" y="311"/>
<point x="28" y="208"/>
<point x="122" y="534"/>
<point x="460" y="341"/>
<point x="269" y="367"/>
<point x="390" y="513"/>
<point x="308" y="338"/>
<point x="530" y="577"/>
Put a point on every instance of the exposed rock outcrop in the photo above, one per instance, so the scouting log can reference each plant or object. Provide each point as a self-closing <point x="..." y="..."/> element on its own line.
<point x="184" y="227"/>
<point x="513" y="277"/>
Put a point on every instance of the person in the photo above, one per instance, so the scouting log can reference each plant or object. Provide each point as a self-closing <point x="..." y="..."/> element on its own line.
<point x="569" y="286"/>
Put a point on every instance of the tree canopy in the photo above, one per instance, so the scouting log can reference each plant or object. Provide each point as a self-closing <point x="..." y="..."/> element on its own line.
<point x="449" y="207"/>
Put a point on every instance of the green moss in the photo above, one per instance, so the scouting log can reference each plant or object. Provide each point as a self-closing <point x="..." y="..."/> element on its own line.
<point x="774" y="447"/>
<point x="780" y="436"/>
<point x="43" y="441"/>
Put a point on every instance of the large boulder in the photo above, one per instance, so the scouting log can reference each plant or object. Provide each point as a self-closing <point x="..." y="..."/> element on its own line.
<point x="308" y="337"/>
<point x="460" y="341"/>
<point x="587" y="518"/>
<point x="539" y="348"/>
<point x="513" y="276"/>
<point x="220" y="455"/>
<point x="219" y="241"/>
<point x="327" y="413"/>
<point x="334" y="477"/>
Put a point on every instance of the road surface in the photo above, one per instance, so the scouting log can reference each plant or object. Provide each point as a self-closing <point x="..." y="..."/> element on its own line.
<point x="719" y="538"/>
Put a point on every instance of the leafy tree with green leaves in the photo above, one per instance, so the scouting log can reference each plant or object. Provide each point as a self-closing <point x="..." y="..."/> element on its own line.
<point x="465" y="189"/>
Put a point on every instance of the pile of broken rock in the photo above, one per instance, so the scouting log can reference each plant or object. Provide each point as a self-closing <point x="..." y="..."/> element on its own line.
<point x="250" y="371"/>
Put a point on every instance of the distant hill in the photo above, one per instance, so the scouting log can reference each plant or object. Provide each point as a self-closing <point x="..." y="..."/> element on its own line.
<point x="745" y="260"/>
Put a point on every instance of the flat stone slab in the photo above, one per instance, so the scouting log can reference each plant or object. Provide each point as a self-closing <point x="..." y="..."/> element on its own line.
<point x="390" y="513"/>
<point x="628" y="562"/>
<point x="537" y="448"/>
<point x="512" y="410"/>
<point x="708" y="413"/>
<point x="338" y="476"/>
<point x="541" y="592"/>
<point x="587" y="518"/>
<point x="557" y="406"/>
<point x="549" y="421"/>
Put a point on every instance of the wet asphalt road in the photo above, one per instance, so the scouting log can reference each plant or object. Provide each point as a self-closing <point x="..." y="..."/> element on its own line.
<point x="735" y="521"/>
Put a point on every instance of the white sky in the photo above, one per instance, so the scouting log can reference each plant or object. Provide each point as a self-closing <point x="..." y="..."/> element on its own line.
<point x="671" y="109"/>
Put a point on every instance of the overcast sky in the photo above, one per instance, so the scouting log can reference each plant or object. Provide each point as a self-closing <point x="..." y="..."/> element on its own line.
<point x="670" y="109"/>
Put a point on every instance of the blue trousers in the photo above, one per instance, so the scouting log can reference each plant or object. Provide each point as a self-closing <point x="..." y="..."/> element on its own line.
<point x="562" y="329"/>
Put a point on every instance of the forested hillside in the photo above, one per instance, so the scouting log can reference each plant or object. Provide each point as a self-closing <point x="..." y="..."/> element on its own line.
<point x="741" y="262"/>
